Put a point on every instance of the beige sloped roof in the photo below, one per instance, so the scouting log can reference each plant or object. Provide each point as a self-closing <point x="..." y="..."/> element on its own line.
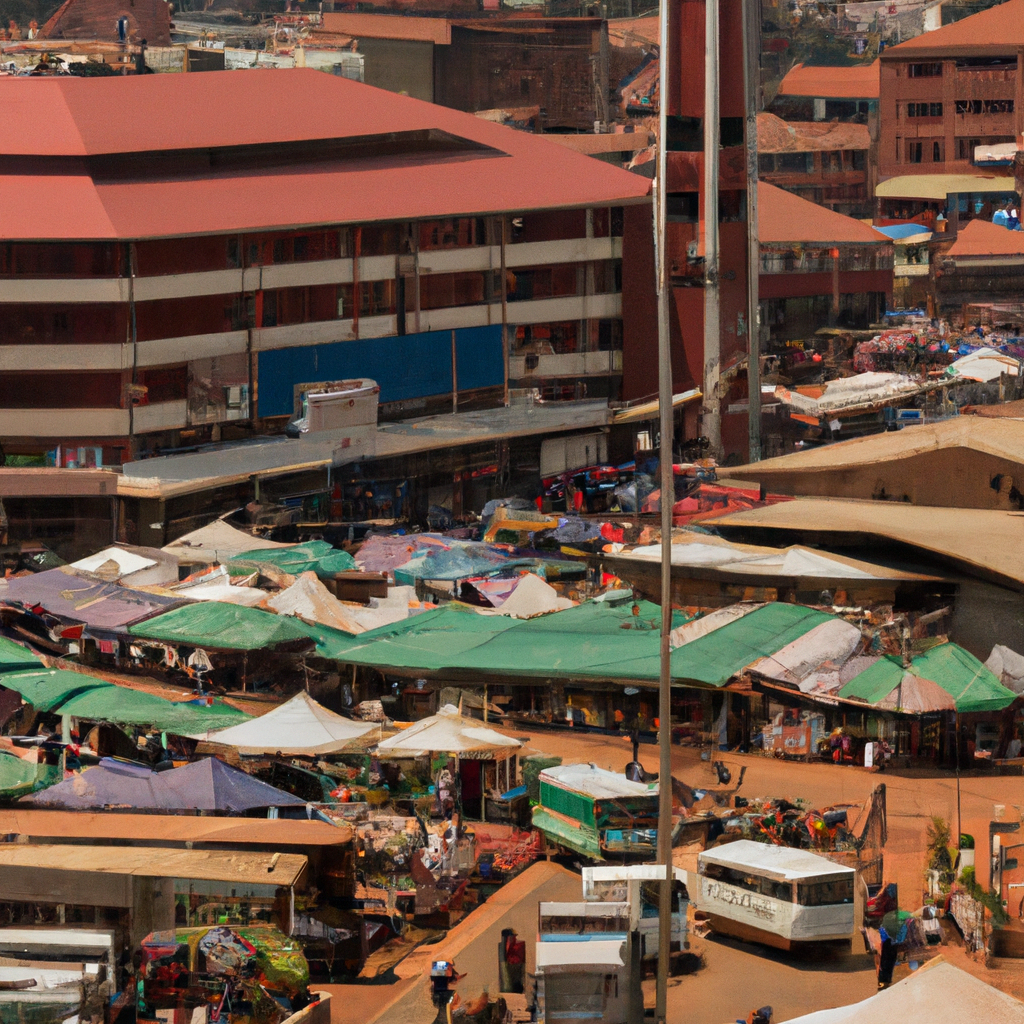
<point x="139" y="862"/>
<point x="1002" y="438"/>
<point x="984" y="540"/>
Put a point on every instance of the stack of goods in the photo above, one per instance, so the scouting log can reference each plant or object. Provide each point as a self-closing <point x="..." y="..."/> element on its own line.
<point x="900" y="352"/>
<point x="236" y="974"/>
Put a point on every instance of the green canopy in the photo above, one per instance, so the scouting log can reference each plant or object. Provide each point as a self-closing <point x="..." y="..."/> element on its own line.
<point x="314" y="556"/>
<point x="220" y="626"/>
<point x="14" y="656"/>
<point x="972" y="686"/>
<point x="19" y="777"/>
<point x="124" y="706"/>
<point x="595" y="640"/>
<point x="47" y="688"/>
<point x="716" y="657"/>
<point x="75" y="693"/>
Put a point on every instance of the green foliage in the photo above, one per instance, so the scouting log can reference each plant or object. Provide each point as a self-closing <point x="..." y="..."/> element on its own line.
<point x="939" y="857"/>
<point x="988" y="898"/>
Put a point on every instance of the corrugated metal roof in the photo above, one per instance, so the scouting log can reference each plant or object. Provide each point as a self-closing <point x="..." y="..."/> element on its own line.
<point x="210" y="865"/>
<point x="983" y="238"/>
<point x="1000" y="29"/>
<point x="183" y="828"/>
<point x="80" y="117"/>
<point x="856" y="83"/>
<point x="784" y="217"/>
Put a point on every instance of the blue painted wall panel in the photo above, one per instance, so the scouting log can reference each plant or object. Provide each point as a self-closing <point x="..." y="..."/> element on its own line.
<point x="411" y="366"/>
<point x="478" y="356"/>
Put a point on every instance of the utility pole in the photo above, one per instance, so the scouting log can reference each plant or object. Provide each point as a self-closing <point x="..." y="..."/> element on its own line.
<point x="666" y="420"/>
<point x="712" y="411"/>
<point x="752" y="104"/>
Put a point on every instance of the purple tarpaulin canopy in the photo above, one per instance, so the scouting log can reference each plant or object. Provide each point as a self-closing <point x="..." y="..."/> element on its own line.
<point x="207" y="785"/>
<point x="65" y="595"/>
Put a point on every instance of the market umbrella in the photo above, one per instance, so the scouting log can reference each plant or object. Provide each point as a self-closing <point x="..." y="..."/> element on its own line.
<point x="449" y="732"/>
<point x="299" y="726"/>
<point x="917" y="696"/>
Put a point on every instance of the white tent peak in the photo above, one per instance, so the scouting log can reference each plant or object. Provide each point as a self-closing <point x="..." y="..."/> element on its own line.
<point x="308" y="599"/>
<point x="451" y="733"/>
<point x="299" y="726"/>
<point x="531" y="596"/>
<point x="216" y="542"/>
<point x="938" y="993"/>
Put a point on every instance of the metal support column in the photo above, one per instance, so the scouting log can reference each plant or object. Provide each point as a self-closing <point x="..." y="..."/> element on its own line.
<point x="667" y="501"/>
<point x="712" y="410"/>
<point x="752" y="98"/>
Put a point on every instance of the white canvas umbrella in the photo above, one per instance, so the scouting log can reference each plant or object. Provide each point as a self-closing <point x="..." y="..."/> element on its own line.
<point x="299" y="726"/>
<point x="450" y="733"/>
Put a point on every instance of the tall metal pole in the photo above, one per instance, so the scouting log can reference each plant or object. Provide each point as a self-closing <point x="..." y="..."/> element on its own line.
<point x="712" y="411"/>
<point x="667" y="501"/>
<point x="752" y="95"/>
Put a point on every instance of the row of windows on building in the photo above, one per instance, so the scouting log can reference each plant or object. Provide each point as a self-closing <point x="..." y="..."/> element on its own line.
<point x="210" y="314"/>
<point x="933" y="69"/>
<point x="962" y="107"/>
<point x="833" y="162"/>
<point x="921" y="151"/>
<point x="218" y="252"/>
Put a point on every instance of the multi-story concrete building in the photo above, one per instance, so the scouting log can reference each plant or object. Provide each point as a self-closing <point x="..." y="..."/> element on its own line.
<point x="944" y="93"/>
<point x="180" y="252"/>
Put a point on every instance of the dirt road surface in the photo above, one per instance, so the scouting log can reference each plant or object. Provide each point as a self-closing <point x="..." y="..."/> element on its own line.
<point x="737" y="977"/>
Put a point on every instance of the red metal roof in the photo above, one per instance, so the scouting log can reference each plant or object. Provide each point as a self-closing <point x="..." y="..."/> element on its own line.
<point x="855" y="83"/>
<point x="79" y="117"/>
<point x="1000" y="30"/>
<point x="983" y="238"/>
<point x="784" y="217"/>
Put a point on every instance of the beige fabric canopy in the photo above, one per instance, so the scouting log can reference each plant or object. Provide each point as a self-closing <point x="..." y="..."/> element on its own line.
<point x="299" y="726"/>
<point x="451" y="733"/>
<point x="216" y="542"/>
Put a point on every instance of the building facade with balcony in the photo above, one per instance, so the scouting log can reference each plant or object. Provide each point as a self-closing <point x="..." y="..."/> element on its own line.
<point x="168" y="278"/>
<point x="945" y="93"/>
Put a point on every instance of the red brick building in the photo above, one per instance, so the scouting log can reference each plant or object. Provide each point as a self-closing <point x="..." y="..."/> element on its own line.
<point x="946" y="92"/>
<point x="180" y="251"/>
<point x="98" y="19"/>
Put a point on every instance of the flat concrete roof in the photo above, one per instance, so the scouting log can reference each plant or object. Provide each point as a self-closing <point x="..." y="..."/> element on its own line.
<point x="171" y="475"/>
